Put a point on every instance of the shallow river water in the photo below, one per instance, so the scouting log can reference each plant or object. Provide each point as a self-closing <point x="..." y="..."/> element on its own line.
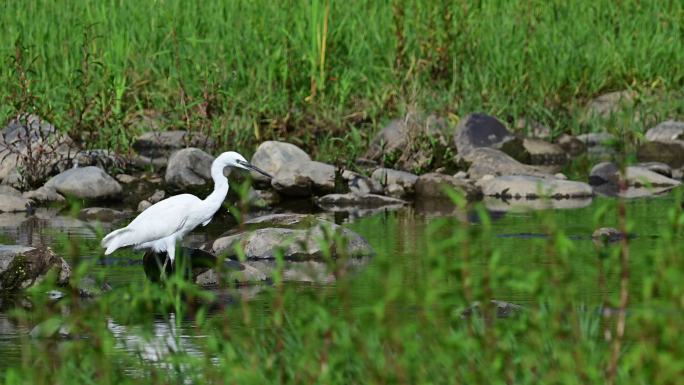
<point x="401" y="234"/>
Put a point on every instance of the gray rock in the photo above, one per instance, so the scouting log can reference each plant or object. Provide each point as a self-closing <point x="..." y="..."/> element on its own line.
<point x="157" y="196"/>
<point x="571" y="145"/>
<point x="636" y="176"/>
<point x="433" y="185"/>
<point x="262" y="198"/>
<point x="14" y="204"/>
<point x="395" y="183"/>
<point x="272" y="156"/>
<point x="607" y="234"/>
<point x="85" y="183"/>
<point x="143" y="205"/>
<point x="101" y="158"/>
<point x="360" y="184"/>
<point x="101" y="214"/>
<point x="306" y="179"/>
<point x="668" y="152"/>
<point x="604" y="172"/>
<point x="657" y="167"/>
<point x="188" y="168"/>
<point x="47" y="147"/>
<point x="529" y="187"/>
<point x="640" y="176"/>
<point x="666" y="131"/>
<point x="484" y="161"/>
<point x="23" y="266"/>
<point x="593" y="139"/>
<point x="539" y="152"/>
<point x="609" y="104"/>
<point x="44" y="194"/>
<point x="409" y="143"/>
<point x="294" y="244"/>
<point x="157" y="144"/>
<point x="333" y="201"/>
<point x="125" y="178"/>
<point x="481" y="130"/>
<point x="9" y="190"/>
<point x="144" y="162"/>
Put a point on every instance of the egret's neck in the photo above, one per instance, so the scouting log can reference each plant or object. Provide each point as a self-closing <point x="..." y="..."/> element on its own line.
<point x="216" y="198"/>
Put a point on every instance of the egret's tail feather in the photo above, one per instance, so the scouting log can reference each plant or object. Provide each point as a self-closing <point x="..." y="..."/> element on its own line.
<point x="116" y="239"/>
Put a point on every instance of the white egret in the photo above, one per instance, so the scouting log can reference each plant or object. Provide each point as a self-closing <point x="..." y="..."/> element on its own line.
<point x="164" y="223"/>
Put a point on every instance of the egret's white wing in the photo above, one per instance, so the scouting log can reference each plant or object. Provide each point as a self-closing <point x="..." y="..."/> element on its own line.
<point x="158" y="221"/>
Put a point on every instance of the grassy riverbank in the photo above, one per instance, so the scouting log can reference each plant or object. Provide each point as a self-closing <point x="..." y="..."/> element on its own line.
<point x="308" y="71"/>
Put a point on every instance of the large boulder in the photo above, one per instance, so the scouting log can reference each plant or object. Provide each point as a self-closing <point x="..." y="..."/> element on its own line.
<point x="488" y="161"/>
<point x="433" y="186"/>
<point x="297" y="237"/>
<point x="85" y="183"/>
<point x="666" y="131"/>
<point x="481" y="130"/>
<point x="24" y="266"/>
<point x="188" y="168"/>
<point x="307" y="178"/>
<point x="33" y="145"/>
<point x="530" y="187"/>
<point x="272" y="156"/>
<point x="395" y="183"/>
<point x="13" y="203"/>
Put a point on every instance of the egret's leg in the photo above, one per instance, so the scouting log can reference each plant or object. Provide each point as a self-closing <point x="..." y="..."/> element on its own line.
<point x="170" y="254"/>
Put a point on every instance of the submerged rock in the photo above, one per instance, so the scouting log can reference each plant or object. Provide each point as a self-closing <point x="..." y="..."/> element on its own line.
<point x="101" y="214"/>
<point x="301" y="243"/>
<point x="188" y="168"/>
<point x="433" y="185"/>
<point x="272" y="156"/>
<point x="85" y="183"/>
<point x="24" y="266"/>
<point x="608" y="234"/>
<point x="529" y="187"/>
<point x="333" y="202"/>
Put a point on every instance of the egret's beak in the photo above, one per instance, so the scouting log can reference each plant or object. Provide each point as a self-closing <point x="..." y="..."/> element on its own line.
<point x="249" y="166"/>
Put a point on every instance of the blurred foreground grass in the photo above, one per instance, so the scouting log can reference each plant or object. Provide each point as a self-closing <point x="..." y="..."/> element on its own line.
<point x="391" y="322"/>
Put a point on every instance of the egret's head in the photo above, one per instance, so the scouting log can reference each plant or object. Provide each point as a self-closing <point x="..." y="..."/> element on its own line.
<point x="233" y="159"/>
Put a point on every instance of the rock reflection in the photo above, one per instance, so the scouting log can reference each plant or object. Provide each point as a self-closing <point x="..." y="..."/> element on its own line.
<point x="500" y="205"/>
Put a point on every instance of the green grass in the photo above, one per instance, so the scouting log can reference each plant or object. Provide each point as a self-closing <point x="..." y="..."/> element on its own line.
<point x="308" y="71"/>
